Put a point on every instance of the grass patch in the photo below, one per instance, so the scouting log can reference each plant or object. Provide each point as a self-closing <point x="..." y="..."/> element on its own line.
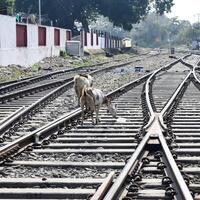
<point x="35" y="67"/>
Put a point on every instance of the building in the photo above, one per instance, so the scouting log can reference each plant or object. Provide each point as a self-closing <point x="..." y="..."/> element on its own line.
<point x="127" y="43"/>
<point x="26" y="44"/>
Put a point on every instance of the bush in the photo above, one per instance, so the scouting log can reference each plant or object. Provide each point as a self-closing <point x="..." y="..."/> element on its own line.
<point x="63" y="53"/>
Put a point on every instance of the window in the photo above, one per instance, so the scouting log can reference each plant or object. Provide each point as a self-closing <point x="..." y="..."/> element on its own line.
<point x="21" y="31"/>
<point x="69" y="35"/>
<point x="57" y="37"/>
<point x="41" y="36"/>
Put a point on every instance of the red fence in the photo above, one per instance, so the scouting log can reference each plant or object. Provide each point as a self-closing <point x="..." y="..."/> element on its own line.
<point x="42" y="36"/>
<point x="57" y="37"/>
<point x="92" y="38"/>
<point x="85" y="38"/>
<point x="68" y="35"/>
<point x="21" y="35"/>
<point x="97" y="37"/>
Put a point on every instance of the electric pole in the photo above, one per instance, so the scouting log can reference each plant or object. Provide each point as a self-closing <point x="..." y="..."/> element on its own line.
<point x="40" y="12"/>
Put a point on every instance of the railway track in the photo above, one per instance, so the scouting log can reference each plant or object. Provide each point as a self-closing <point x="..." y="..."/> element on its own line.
<point x="25" y="105"/>
<point x="26" y="101"/>
<point x="88" y="143"/>
<point x="139" y="155"/>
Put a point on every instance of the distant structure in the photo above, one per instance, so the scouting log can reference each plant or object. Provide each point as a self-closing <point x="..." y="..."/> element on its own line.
<point x="92" y="40"/>
<point x="3" y="10"/>
<point x="22" y="37"/>
<point x="25" y="44"/>
<point x="127" y="43"/>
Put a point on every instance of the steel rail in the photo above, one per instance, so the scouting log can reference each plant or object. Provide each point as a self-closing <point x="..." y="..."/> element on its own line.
<point x="56" y="125"/>
<point x="4" y="83"/>
<point x="184" y="193"/>
<point x="52" y="95"/>
<point x="53" y="84"/>
<point x="175" y="95"/>
<point x="11" y="116"/>
<point x="153" y="125"/>
<point x="112" y="193"/>
<point x="17" y="94"/>
<point x="187" y="64"/>
<point x="177" y="177"/>
<point x="194" y="73"/>
<point x="104" y="187"/>
<point x="9" y="85"/>
<point x="147" y="88"/>
<point x="30" y="80"/>
<point x="147" y="91"/>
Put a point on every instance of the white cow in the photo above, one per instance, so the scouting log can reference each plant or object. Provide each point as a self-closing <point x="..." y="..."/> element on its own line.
<point x="92" y="99"/>
<point x="80" y="81"/>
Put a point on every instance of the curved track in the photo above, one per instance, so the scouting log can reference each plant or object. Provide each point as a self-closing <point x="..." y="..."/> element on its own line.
<point x="151" y="151"/>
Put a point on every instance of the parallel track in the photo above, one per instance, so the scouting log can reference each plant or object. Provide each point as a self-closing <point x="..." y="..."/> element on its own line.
<point x="22" y="104"/>
<point x="150" y="152"/>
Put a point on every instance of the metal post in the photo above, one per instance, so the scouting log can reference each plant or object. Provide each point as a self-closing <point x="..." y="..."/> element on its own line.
<point x="39" y="11"/>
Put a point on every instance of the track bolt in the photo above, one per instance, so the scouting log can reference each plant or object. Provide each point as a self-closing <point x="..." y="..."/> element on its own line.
<point x="45" y="142"/>
<point x="5" y="136"/>
<point x="133" y="188"/>
<point x="187" y="181"/>
<point x="12" y="151"/>
<point x="68" y="127"/>
<point x="44" y="179"/>
<point x="61" y="132"/>
<point x="29" y="148"/>
<point x="11" y="131"/>
<point x="53" y="137"/>
<point x="192" y="193"/>
<point x="2" y="140"/>
<point x="170" y="192"/>
<point x="169" y="140"/>
<point x="157" y="155"/>
<point x="161" y="165"/>
<point x="170" y="147"/>
<point x="180" y="166"/>
<point x="166" y="180"/>
<point x="21" y="121"/>
<point x="145" y="160"/>
<point x="79" y="121"/>
<point x="129" y="178"/>
<point x="137" y="136"/>
<point x="175" y="156"/>
<point x="15" y="127"/>
<point x="1" y="158"/>
<point x="137" y="177"/>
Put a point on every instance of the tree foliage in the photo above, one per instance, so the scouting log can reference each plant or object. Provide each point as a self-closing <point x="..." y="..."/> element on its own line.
<point x="122" y="13"/>
<point x="9" y="4"/>
<point x="160" y="31"/>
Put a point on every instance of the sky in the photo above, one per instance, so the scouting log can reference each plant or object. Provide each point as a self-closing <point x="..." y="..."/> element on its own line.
<point x="186" y="10"/>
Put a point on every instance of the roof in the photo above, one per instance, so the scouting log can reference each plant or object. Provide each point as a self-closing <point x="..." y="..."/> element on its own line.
<point x="127" y="39"/>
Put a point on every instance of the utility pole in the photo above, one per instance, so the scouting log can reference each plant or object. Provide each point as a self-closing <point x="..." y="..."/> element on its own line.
<point x="40" y="12"/>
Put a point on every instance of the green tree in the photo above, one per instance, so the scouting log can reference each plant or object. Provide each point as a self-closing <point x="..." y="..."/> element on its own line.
<point x="122" y="13"/>
<point x="160" y="31"/>
<point x="8" y="4"/>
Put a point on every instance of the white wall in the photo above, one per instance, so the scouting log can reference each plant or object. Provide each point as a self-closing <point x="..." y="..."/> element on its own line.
<point x="26" y="56"/>
<point x="7" y="26"/>
<point x="101" y="43"/>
